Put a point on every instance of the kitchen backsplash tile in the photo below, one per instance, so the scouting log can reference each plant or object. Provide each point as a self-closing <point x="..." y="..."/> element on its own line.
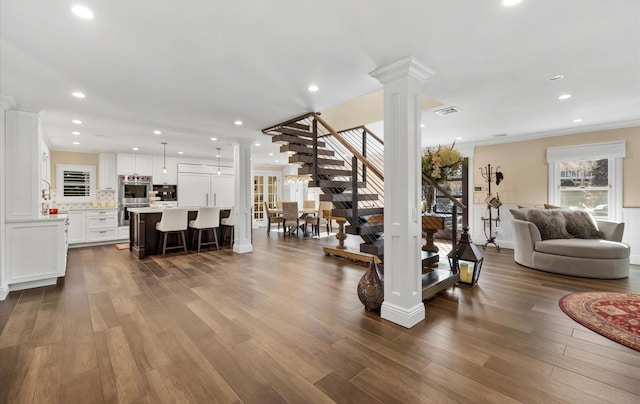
<point x="105" y="198"/>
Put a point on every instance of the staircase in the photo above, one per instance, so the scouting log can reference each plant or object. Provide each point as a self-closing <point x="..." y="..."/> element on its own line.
<point x="348" y="166"/>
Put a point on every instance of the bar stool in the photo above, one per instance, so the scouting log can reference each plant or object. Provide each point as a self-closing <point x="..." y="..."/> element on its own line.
<point x="226" y="223"/>
<point x="208" y="219"/>
<point x="173" y="220"/>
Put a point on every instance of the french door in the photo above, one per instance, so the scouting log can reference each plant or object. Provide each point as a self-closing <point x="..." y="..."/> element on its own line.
<point x="266" y="187"/>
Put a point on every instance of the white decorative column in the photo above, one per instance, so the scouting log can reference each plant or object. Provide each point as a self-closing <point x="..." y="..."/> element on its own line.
<point x="5" y="104"/>
<point x="402" y="167"/>
<point x="243" y="215"/>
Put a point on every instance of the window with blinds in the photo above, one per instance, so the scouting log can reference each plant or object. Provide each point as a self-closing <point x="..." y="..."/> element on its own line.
<point x="75" y="184"/>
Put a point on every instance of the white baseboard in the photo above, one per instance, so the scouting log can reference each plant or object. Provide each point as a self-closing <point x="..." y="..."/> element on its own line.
<point x="242" y="248"/>
<point x="404" y="317"/>
<point x="33" y="284"/>
<point x="4" y="291"/>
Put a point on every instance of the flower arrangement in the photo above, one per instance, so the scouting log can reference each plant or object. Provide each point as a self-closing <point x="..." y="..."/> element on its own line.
<point x="439" y="164"/>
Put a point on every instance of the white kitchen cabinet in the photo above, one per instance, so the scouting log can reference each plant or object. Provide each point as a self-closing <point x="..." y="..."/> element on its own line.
<point x="160" y="178"/>
<point x="201" y="186"/>
<point x="108" y="178"/>
<point x="101" y="225"/>
<point x="134" y="164"/>
<point x="36" y="252"/>
<point x="23" y="155"/>
<point x="77" y="229"/>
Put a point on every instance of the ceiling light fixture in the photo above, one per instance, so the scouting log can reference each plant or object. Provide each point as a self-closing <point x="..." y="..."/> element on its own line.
<point x="557" y="77"/>
<point x="238" y="123"/>
<point x="218" y="156"/>
<point x="78" y="94"/>
<point x="577" y="120"/>
<point x="75" y="133"/>
<point x="257" y="144"/>
<point x="180" y="152"/>
<point x="270" y="154"/>
<point x="135" y="149"/>
<point x="313" y="88"/>
<point x="213" y="139"/>
<point x="157" y="132"/>
<point x="77" y="121"/>
<point x="164" y="157"/>
<point x="82" y="12"/>
<point x="509" y="3"/>
<point x="564" y="97"/>
<point x="422" y="125"/>
<point x="76" y="142"/>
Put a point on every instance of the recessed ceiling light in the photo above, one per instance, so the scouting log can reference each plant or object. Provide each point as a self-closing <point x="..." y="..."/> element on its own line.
<point x="257" y="144"/>
<point x="213" y="139"/>
<point x="82" y="12"/>
<point x="78" y="94"/>
<point x="459" y="138"/>
<point x="157" y="132"/>
<point x="76" y="142"/>
<point x="77" y="121"/>
<point x="75" y="133"/>
<point x="577" y="120"/>
<point x="564" y="97"/>
<point x="557" y="77"/>
<point x="270" y="154"/>
<point x="510" y="2"/>
<point x="313" y="88"/>
<point x="422" y="125"/>
<point x="180" y="152"/>
<point x="135" y="149"/>
<point x="238" y="123"/>
<point x="277" y="161"/>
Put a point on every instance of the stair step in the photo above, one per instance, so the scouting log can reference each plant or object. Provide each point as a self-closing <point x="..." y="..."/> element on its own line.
<point x="347" y="197"/>
<point x="297" y="125"/>
<point x="338" y="184"/>
<point x="361" y="212"/>
<point x="364" y="228"/>
<point x="294" y="132"/>
<point x="299" y="148"/>
<point x="299" y="158"/>
<point x="375" y="248"/>
<point x="325" y="171"/>
<point x="295" y="139"/>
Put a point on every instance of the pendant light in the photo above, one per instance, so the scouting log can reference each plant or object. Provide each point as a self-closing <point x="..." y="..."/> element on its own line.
<point x="218" y="156"/>
<point x="164" y="157"/>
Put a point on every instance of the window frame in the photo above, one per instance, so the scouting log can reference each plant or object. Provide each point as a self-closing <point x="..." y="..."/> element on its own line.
<point x="613" y="151"/>
<point x="60" y="197"/>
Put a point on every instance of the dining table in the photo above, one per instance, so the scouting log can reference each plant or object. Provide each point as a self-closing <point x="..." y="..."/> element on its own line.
<point x="303" y="212"/>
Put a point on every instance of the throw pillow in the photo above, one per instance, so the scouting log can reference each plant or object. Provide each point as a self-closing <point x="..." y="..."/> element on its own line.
<point x="517" y="214"/>
<point x="547" y="206"/>
<point x="550" y="223"/>
<point x="581" y="224"/>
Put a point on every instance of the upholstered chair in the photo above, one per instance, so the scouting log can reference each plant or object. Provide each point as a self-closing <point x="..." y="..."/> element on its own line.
<point x="290" y="216"/>
<point x="173" y="220"/>
<point x="271" y="217"/>
<point x="228" y="224"/>
<point x="208" y="220"/>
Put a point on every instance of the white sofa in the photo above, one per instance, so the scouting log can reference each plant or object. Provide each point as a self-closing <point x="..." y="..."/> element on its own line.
<point x="605" y="258"/>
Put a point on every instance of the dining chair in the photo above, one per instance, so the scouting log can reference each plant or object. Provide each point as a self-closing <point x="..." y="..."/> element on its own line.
<point x="173" y="220"/>
<point x="228" y="224"/>
<point x="279" y="205"/>
<point x="320" y="218"/>
<point x="208" y="219"/>
<point x="290" y="216"/>
<point x="309" y="204"/>
<point x="272" y="217"/>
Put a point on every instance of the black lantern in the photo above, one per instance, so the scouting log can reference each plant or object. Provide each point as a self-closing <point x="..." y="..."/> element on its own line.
<point x="467" y="259"/>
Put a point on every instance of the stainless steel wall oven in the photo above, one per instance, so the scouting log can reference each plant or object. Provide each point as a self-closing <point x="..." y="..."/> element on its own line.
<point x="133" y="192"/>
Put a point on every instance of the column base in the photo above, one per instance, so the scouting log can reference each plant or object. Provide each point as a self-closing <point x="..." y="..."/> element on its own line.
<point x="4" y="291"/>
<point x="242" y="248"/>
<point x="403" y="316"/>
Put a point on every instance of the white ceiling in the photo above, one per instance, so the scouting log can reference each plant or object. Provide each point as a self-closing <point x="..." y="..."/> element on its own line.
<point x="190" y="69"/>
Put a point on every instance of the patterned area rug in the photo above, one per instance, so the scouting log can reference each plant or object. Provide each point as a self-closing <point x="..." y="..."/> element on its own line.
<point x="613" y="315"/>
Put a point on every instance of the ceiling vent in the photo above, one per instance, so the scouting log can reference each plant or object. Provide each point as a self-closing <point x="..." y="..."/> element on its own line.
<point x="447" y="111"/>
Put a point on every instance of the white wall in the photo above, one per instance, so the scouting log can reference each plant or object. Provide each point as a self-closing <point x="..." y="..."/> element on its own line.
<point x="5" y="103"/>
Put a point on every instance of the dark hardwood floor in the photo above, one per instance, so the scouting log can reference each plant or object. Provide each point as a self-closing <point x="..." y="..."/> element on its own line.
<point x="284" y="324"/>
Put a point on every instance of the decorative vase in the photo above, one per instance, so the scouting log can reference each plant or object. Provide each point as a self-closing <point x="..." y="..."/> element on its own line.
<point x="429" y="198"/>
<point x="371" y="288"/>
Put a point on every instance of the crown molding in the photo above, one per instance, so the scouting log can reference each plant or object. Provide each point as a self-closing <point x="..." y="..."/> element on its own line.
<point x="558" y="132"/>
<point x="407" y="67"/>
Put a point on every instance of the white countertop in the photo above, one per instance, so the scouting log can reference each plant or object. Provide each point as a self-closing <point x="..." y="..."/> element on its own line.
<point x="160" y="208"/>
<point x="47" y="218"/>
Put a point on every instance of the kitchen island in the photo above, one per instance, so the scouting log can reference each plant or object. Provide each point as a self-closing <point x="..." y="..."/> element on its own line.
<point x="143" y="236"/>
